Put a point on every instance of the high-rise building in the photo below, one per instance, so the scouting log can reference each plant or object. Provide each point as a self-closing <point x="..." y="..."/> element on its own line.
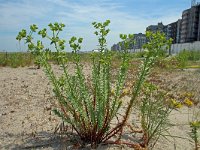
<point x="171" y="32"/>
<point x="178" y="33"/>
<point x="190" y="25"/>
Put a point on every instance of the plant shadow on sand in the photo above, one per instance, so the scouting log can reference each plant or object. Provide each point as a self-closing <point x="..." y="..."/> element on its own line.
<point x="45" y="140"/>
<point x="59" y="141"/>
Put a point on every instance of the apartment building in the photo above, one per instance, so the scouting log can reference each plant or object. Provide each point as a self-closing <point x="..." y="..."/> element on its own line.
<point x="136" y="43"/>
<point x="190" y="26"/>
<point x="173" y="31"/>
<point x="178" y="32"/>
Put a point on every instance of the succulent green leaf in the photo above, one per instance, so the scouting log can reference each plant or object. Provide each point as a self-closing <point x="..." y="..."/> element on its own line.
<point x="33" y="28"/>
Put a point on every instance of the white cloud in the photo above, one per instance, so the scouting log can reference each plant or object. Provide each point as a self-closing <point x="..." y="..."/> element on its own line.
<point x="18" y="14"/>
<point x="78" y="16"/>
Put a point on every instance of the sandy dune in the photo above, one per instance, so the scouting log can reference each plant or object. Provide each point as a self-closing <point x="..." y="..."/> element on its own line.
<point x="26" y="121"/>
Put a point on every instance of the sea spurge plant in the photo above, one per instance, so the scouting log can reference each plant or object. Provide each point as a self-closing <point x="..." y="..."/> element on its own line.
<point x="194" y="121"/>
<point x="154" y="115"/>
<point x="156" y="44"/>
<point x="90" y="106"/>
<point x="87" y="107"/>
<point x="28" y="40"/>
<point x="194" y="134"/>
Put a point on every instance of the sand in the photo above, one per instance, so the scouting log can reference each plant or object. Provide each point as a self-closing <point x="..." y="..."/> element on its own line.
<point x="26" y="120"/>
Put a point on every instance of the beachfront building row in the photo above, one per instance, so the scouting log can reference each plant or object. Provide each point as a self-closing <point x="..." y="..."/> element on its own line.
<point x="184" y="30"/>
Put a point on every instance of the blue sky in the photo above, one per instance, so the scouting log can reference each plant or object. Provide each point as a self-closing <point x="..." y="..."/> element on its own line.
<point x="127" y="16"/>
